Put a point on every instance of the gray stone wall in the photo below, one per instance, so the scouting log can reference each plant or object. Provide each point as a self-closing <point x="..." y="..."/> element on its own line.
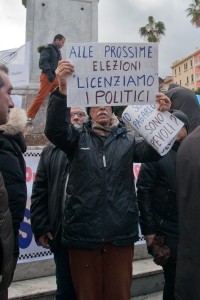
<point x="34" y="133"/>
<point x="77" y="20"/>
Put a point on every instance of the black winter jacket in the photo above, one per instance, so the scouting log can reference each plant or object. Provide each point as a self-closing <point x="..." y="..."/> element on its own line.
<point x="6" y="240"/>
<point x="156" y="196"/>
<point x="48" y="191"/>
<point x="12" y="167"/>
<point x="101" y="204"/>
<point x="48" y="58"/>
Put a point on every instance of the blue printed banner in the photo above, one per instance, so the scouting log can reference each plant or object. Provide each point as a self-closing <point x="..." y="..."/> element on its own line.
<point x="112" y="74"/>
<point x="29" y="249"/>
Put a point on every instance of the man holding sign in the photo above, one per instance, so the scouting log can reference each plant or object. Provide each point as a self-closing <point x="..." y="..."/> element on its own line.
<point x="101" y="216"/>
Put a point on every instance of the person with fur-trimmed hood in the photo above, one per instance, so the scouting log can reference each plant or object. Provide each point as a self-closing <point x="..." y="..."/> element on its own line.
<point x="7" y="264"/>
<point x="13" y="169"/>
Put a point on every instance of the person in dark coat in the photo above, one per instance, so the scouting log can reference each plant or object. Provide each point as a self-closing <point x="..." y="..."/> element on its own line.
<point x="50" y="55"/>
<point x="47" y="202"/>
<point x="185" y="100"/>
<point x="156" y="193"/>
<point x="188" y="197"/>
<point x="7" y="262"/>
<point x="101" y="216"/>
<point x="13" y="169"/>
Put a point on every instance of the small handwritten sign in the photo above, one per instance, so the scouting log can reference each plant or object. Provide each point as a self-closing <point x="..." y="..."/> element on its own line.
<point x="112" y="74"/>
<point x="159" y="129"/>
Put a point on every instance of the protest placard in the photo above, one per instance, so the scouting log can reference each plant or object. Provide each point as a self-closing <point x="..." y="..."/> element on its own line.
<point x="112" y="74"/>
<point x="159" y="129"/>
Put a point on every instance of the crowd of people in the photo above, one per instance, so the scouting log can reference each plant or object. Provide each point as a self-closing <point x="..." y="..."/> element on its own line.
<point x="85" y="203"/>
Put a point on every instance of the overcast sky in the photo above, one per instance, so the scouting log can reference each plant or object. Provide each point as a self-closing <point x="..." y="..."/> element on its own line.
<point x="119" y="21"/>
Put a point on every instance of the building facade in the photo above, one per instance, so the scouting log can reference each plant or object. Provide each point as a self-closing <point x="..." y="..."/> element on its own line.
<point x="186" y="72"/>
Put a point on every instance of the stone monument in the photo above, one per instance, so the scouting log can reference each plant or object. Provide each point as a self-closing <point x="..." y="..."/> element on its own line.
<point x="77" y="20"/>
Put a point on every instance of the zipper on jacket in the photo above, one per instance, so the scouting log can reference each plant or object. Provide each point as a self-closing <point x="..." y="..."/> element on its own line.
<point x="104" y="161"/>
<point x="104" y="196"/>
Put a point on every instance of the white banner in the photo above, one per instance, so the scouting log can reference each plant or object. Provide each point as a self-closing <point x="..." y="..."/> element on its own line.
<point x="29" y="249"/>
<point x="159" y="129"/>
<point x="17" y="61"/>
<point x="112" y="74"/>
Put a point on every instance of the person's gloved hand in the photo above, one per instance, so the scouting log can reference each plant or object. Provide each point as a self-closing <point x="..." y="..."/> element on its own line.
<point x="50" y="75"/>
<point x="159" y="250"/>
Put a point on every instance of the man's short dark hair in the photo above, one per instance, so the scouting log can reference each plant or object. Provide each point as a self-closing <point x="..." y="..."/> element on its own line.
<point x="4" y="68"/>
<point x="1" y="80"/>
<point x="58" y="37"/>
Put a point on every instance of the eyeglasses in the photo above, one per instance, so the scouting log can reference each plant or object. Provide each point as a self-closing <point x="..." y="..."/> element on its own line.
<point x="79" y="114"/>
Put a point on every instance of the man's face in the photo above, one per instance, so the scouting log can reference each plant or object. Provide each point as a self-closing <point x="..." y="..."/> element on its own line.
<point x="77" y="115"/>
<point x="101" y="115"/>
<point x="5" y="99"/>
<point x="60" y="43"/>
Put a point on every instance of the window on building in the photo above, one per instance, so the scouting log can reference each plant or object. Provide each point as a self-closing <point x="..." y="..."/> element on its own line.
<point x="192" y="78"/>
<point x="175" y="72"/>
<point x="191" y="63"/>
<point x="180" y="82"/>
<point x="185" y="66"/>
<point x="187" y="80"/>
<point x="179" y="70"/>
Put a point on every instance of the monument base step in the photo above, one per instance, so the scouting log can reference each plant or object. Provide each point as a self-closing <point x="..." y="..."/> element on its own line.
<point x="153" y="296"/>
<point x="147" y="279"/>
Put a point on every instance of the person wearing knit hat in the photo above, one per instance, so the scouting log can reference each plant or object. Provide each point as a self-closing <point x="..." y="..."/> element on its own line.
<point x="100" y="223"/>
<point x="156" y="193"/>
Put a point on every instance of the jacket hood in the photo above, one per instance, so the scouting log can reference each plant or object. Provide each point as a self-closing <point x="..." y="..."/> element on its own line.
<point x="40" y="48"/>
<point x="173" y="85"/>
<point x="16" y="123"/>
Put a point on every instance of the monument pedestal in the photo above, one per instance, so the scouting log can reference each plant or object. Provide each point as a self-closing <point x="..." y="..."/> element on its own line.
<point x="34" y="133"/>
<point x="77" y="21"/>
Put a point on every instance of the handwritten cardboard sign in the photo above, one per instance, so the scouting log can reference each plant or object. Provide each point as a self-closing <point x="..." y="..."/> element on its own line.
<point x="159" y="129"/>
<point x="112" y="74"/>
